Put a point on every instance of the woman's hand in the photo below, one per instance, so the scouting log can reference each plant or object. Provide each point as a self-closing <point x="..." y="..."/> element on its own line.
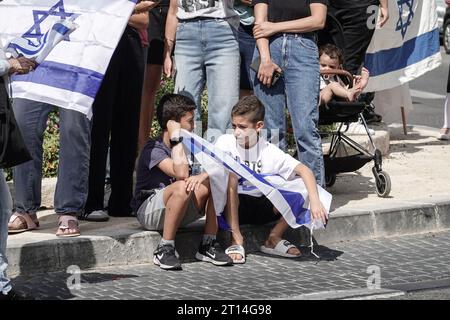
<point x="194" y="182"/>
<point x="266" y="71"/>
<point x="318" y="212"/>
<point x="168" y="66"/>
<point x="21" y="65"/>
<point x="264" y="29"/>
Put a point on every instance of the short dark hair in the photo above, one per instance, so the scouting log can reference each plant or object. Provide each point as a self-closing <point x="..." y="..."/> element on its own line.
<point x="251" y="107"/>
<point x="173" y="107"/>
<point x="332" y="51"/>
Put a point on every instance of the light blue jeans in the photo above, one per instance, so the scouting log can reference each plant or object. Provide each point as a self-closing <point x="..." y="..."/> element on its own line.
<point x="74" y="150"/>
<point x="298" y="88"/>
<point x="5" y="212"/>
<point x="207" y="52"/>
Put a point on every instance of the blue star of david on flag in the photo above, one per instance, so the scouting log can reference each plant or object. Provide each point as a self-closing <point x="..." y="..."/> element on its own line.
<point x="402" y="24"/>
<point x="40" y="16"/>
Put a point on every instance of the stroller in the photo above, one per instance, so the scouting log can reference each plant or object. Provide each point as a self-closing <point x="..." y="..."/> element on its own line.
<point x="345" y="154"/>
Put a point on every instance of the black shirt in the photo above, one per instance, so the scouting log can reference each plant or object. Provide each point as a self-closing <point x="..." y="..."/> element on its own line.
<point x="148" y="175"/>
<point x="353" y="3"/>
<point x="287" y="10"/>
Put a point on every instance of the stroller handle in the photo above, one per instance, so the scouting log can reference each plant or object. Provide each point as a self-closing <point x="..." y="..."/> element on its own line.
<point x="339" y="72"/>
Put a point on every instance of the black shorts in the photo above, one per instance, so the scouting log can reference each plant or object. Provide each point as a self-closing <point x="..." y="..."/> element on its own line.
<point x="256" y="210"/>
<point x="156" y="31"/>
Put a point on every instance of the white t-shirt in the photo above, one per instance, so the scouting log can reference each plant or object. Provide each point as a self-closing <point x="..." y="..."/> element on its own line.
<point x="189" y="9"/>
<point x="264" y="158"/>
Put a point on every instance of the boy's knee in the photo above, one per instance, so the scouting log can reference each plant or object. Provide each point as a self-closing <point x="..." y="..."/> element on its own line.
<point x="179" y="190"/>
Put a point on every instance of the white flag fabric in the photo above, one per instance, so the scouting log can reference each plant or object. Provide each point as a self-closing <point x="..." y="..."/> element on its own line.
<point x="73" y="42"/>
<point x="406" y="47"/>
<point x="290" y="198"/>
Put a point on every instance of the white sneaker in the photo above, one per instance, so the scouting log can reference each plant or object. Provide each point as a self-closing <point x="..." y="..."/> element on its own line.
<point x="444" y="136"/>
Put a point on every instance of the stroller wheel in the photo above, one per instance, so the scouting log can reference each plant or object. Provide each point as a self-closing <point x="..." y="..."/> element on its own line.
<point x="383" y="184"/>
<point x="330" y="179"/>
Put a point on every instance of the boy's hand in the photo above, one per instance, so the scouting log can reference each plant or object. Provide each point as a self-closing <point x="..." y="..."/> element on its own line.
<point x="318" y="212"/>
<point x="194" y="182"/>
<point x="173" y="128"/>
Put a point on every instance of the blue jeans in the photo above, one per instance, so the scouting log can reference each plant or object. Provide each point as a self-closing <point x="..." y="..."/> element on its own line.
<point x="297" y="55"/>
<point x="247" y="46"/>
<point x="207" y="51"/>
<point x="73" y="171"/>
<point x="5" y="212"/>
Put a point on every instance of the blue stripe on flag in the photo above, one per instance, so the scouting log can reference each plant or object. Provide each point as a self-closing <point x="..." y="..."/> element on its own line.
<point x="296" y="202"/>
<point x="411" y="52"/>
<point x="63" y="76"/>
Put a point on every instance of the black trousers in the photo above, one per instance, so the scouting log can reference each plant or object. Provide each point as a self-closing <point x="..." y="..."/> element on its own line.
<point x="115" y="124"/>
<point x="357" y="35"/>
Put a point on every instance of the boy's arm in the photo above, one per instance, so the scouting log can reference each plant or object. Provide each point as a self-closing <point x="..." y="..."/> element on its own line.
<point x="177" y="166"/>
<point x="317" y="210"/>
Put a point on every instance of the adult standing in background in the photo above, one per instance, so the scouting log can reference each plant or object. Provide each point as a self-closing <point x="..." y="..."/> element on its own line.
<point x="247" y="43"/>
<point x="206" y="53"/>
<point x="286" y="40"/>
<point x="153" y="71"/>
<point x="356" y="17"/>
<point x="7" y="66"/>
<point x="115" y="123"/>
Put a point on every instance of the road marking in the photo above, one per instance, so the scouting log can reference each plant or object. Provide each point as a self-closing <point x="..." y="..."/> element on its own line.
<point x="426" y="95"/>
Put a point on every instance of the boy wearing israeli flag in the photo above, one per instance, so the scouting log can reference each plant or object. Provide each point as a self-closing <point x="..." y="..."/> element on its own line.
<point x="247" y="146"/>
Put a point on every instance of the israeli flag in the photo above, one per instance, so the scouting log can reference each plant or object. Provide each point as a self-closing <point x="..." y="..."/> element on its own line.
<point x="71" y="40"/>
<point x="290" y="198"/>
<point x="406" y="47"/>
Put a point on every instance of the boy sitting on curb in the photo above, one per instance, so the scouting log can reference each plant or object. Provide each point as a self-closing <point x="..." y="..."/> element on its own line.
<point x="167" y="196"/>
<point x="249" y="148"/>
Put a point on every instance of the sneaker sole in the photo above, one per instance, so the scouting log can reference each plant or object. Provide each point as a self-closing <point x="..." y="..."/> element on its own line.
<point x="165" y="267"/>
<point x="204" y="258"/>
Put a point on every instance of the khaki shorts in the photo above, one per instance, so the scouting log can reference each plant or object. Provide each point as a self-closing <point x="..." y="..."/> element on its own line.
<point x="152" y="212"/>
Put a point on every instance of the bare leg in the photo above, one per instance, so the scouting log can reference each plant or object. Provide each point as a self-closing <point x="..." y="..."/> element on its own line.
<point x="176" y="200"/>
<point x="202" y="199"/>
<point x="342" y="92"/>
<point x="231" y="214"/>
<point x="150" y="89"/>
<point x="276" y="234"/>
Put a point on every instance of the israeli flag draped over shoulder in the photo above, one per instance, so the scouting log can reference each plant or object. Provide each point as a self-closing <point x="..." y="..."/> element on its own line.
<point x="406" y="47"/>
<point x="290" y="198"/>
<point x="71" y="40"/>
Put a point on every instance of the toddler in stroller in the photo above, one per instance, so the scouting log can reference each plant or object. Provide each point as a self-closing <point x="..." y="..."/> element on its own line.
<point x="339" y="106"/>
<point x="331" y="59"/>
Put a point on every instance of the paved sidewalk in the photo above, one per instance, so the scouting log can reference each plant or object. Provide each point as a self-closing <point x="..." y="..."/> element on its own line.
<point x="419" y="202"/>
<point x="342" y="273"/>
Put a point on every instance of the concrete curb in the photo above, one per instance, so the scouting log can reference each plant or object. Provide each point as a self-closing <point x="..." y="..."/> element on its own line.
<point x="128" y="244"/>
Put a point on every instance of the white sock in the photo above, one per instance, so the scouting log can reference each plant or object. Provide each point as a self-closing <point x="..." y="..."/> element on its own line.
<point x="164" y="242"/>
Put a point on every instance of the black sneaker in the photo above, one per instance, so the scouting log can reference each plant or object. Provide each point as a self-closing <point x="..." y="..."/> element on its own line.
<point x="213" y="252"/>
<point x="11" y="295"/>
<point x="166" y="258"/>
